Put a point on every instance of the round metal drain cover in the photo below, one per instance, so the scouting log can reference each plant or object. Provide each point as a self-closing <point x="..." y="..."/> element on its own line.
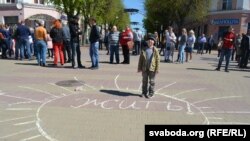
<point x="70" y="83"/>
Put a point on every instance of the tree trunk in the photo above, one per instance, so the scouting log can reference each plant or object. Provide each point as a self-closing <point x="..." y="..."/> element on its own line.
<point x="85" y="31"/>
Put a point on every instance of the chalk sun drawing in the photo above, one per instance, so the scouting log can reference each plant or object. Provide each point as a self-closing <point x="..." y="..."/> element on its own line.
<point x="80" y="100"/>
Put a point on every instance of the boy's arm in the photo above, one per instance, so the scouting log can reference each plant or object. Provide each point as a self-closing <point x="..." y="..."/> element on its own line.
<point x="157" y="61"/>
<point x="140" y="63"/>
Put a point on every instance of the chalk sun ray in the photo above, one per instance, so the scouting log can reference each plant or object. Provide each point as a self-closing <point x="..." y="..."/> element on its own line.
<point x="217" y="98"/>
<point x="188" y="91"/>
<point x="38" y="90"/>
<point x="166" y="86"/>
<point x="18" y="133"/>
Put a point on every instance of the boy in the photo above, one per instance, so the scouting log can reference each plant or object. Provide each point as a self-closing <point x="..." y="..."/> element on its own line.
<point x="149" y="66"/>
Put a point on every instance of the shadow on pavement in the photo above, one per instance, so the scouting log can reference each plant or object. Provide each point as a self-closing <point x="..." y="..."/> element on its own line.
<point x="247" y="76"/>
<point x="118" y="93"/>
<point x="104" y="62"/>
<point x="209" y="59"/>
<point x="200" y="69"/>
<point x="27" y="64"/>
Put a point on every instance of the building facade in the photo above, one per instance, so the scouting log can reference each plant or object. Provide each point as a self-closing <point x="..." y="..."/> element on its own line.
<point x="14" y="11"/>
<point x="225" y="13"/>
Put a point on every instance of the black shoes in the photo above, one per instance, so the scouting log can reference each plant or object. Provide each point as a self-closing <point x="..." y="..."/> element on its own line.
<point x="81" y="66"/>
<point x="147" y="96"/>
<point x="217" y="69"/>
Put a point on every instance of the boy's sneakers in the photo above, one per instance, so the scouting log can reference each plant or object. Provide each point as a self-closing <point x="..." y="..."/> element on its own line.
<point x="143" y="95"/>
<point x="151" y="95"/>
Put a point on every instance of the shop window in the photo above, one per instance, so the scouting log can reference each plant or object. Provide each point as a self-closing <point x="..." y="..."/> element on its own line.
<point x="227" y="5"/>
<point x="10" y="1"/>
<point x="36" y="1"/>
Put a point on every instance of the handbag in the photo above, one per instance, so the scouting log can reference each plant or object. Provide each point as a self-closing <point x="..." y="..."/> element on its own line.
<point x="130" y="44"/>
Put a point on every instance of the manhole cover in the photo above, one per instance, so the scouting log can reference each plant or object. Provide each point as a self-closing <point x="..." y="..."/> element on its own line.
<point x="70" y="83"/>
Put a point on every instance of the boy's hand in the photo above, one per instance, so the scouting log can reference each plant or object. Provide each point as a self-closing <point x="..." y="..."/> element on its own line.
<point x="139" y="71"/>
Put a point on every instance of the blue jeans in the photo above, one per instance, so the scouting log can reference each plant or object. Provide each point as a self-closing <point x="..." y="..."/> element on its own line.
<point x="137" y="47"/>
<point x="41" y="51"/>
<point x="76" y="53"/>
<point x="227" y="53"/>
<point x="114" y="49"/>
<point x="181" y="53"/>
<point x="94" y="54"/>
<point x="24" y="44"/>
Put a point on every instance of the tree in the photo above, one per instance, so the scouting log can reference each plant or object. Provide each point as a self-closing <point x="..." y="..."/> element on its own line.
<point x="174" y="12"/>
<point x="105" y="11"/>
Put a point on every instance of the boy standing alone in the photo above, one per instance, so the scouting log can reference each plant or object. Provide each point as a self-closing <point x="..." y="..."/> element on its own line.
<point x="149" y="61"/>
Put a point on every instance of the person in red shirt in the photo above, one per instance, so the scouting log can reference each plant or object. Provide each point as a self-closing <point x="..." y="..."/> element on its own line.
<point x="228" y="45"/>
<point x="125" y="37"/>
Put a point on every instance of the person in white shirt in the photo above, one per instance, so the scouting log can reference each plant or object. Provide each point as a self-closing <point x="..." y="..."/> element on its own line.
<point x="170" y="45"/>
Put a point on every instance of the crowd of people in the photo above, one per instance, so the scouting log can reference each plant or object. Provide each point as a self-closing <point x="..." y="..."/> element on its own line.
<point x="62" y="42"/>
<point x="230" y="46"/>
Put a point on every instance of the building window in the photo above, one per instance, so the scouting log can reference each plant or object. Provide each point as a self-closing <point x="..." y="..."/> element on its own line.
<point x="227" y="5"/>
<point x="11" y="20"/>
<point x="39" y="1"/>
<point x="10" y="1"/>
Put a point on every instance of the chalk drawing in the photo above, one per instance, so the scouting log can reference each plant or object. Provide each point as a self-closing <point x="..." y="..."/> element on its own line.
<point x="19" y="103"/>
<point x="175" y="102"/>
<point x="157" y="91"/>
<point x="188" y="91"/>
<point x="53" y="84"/>
<point x="22" y="98"/>
<point x="19" y="109"/>
<point x="25" y="123"/>
<point x="217" y="98"/>
<point x="115" y="80"/>
<point x="13" y="119"/>
<point x="38" y="90"/>
<point x="17" y="133"/>
<point x="31" y="138"/>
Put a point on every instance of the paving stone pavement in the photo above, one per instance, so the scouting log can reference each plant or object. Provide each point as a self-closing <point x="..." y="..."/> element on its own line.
<point x="65" y="104"/>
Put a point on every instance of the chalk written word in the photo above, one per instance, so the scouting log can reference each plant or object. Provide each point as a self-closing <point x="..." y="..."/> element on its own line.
<point x="128" y="104"/>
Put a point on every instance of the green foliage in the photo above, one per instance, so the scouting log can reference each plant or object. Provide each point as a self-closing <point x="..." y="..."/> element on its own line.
<point x="109" y="12"/>
<point x="168" y="12"/>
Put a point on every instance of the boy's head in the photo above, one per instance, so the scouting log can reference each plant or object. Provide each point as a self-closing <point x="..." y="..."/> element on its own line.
<point x="151" y="40"/>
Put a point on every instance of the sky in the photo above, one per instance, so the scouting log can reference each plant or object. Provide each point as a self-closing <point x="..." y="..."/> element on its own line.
<point x="137" y="4"/>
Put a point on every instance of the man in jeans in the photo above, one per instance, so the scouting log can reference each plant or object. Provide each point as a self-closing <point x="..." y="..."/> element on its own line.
<point x="66" y="43"/>
<point x="23" y="33"/>
<point x="113" y="40"/>
<point x="94" y="44"/>
<point x="75" y="42"/>
<point x="137" y="40"/>
<point x="228" y="44"/>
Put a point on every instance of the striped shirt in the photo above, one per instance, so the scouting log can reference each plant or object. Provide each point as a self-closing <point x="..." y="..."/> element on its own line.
<point x="113" y="38"/>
